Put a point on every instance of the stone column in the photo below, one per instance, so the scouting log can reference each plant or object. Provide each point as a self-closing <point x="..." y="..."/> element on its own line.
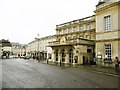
<point x="67" y="56"/>
<point x="59" y="55"/>
<point x="53" y="55"/>
<point x="74" y="54"/>
<point x="80" y="58"/>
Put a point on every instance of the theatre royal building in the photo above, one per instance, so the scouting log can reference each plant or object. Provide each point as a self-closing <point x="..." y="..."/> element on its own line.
<point x="79" y="41"/>
<point x="75" y="41"/>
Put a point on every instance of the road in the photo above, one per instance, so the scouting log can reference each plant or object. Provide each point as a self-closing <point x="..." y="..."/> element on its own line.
<point x="20" y="73"/>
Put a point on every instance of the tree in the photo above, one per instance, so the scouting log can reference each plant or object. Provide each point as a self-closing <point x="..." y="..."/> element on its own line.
<point x="5" y="43"/>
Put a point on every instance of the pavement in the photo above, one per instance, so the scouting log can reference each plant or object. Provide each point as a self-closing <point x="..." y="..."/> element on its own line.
<point x="107" y="70"/>
<point x="101" y="69"/>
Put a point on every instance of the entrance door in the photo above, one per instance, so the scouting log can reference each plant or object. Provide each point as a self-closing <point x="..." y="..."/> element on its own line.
<point x="56" y="55"/>
<point x="71" y="56"/>
<point x="85" y="60"/>
<point x="63" y="55"/>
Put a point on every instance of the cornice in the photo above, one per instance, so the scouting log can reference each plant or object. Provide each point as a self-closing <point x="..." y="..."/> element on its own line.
<point x="104" y="6"/>
<point x="107" y="32"/>
<point x="104" y="40"/>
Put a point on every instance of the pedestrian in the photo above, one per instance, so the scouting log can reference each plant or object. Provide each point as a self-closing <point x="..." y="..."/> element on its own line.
<point x="117" y="62"/>
<point x="94" y="60"/>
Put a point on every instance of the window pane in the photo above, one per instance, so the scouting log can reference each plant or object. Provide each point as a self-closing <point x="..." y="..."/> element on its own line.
<point x="87" y="37"/>
<point x="107" y="23"/>
<point x="108" y="50"/>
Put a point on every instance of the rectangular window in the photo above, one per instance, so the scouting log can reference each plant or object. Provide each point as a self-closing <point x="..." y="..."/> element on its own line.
<point x="107" y="50"/>
<point x="88" y="27"/>
<point x="87" y="37"/>
<point x="74" y="29"/>
<point x="69" y="30"/>
<point x="64" y="31"/>
<point x="89" y="50"/>
<point x="75" y="39"/>
<point x="81" y="28"/>
<point x="69" y="38"/>
<point x="60" y="32"/>
<point x="107" y="22"/>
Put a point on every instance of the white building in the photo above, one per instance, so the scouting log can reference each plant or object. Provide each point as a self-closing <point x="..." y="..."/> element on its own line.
<point x="0" y="50"/>
<point x="18" y="50"/>
<point x="38" y="49"/>
<point x="5" y="48"/>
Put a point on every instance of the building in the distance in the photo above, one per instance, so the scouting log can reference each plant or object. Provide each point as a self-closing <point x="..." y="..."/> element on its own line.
<point x="0" y="50"/>
<point x="75" y="41"/>
<point x="18" y="50"/>
<point x="38" y="49"/>
<point x="5" y="48"/>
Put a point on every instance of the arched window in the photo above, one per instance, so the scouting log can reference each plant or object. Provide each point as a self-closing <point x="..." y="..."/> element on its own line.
<point x="70" y="56"/>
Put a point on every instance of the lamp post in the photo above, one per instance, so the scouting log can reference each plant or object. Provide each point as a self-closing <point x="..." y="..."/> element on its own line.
<point x="37" y="53"/>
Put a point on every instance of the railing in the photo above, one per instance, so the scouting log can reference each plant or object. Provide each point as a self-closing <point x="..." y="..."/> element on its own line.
<point x="72" y="42"/>
<point x="91" y="18"/>
<point x="78" y="31"/>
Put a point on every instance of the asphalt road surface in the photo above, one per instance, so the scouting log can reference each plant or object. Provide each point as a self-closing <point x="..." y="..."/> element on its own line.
<point x="20" y="73"/>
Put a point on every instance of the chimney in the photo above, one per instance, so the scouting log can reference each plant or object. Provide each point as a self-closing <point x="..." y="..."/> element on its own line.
<point x="100" y="2"/>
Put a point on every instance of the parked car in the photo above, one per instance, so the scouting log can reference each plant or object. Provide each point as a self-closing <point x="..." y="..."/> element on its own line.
<point x="26" y="57"/>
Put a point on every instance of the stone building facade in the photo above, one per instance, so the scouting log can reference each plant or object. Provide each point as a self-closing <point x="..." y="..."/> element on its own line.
<point x="108" y="29"/>
<point x="79" y="41"/>
<point x="18" y="50"/>
<point x="75" y="41"/>
<point x="38" y="49"/>
<point x="5" y="48"/>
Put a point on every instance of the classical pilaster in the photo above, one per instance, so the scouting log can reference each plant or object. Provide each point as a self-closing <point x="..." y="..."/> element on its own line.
<point x="80" y="58"/>
<point x="67" y="56"/>
<point x="59" y="55"/>
<point x="53" y="55"/>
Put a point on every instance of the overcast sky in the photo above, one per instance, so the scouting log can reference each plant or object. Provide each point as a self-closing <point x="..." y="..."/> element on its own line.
<point x="22" y="20"/>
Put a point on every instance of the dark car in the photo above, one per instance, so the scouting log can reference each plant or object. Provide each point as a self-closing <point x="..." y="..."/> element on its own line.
<point x="26" y="57"/>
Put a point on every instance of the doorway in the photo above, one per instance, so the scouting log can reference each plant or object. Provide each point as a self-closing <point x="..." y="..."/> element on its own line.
<point x="71" y="56"/>
<point x="63" y="55"/>
<point x="56" y="55"/>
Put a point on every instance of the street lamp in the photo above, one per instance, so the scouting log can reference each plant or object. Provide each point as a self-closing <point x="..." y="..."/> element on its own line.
<point x="37" y="56"/>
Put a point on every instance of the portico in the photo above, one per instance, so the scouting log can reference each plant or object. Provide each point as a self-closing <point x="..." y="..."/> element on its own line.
<point x="72" y="53"/>
<point x="74" y="42"/>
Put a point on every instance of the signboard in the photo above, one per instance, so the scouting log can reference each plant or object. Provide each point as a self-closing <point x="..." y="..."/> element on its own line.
<point x="99" y="56"/>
